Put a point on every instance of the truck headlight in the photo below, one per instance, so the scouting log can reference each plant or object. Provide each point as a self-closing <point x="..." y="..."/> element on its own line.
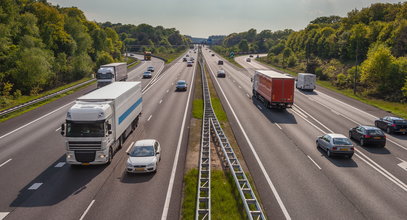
<point x="102" y="156"/>
<point x="69" y="156"/>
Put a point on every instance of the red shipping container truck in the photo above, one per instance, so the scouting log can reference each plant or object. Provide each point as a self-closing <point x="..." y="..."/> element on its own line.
<point x="276" y="90"/>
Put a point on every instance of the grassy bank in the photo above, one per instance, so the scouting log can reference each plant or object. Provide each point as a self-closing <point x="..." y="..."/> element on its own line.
<point x="39" y="104"/>
<point x="395" y="108"/>
<point x="170" y="56"/>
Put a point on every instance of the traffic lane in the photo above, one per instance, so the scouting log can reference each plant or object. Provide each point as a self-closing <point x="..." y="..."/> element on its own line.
<point x="164" y="126"/>
<point x="386" y="157"/>
<point x="280" y="157"/>
<point x="39" y="201"/>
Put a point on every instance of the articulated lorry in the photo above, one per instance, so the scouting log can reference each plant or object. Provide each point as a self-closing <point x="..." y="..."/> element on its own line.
<point x="306" y="81"/>
<point x="112" y="72"/>
<point x="276" y="90"/>
<point x="147" y="55"/>
<point x="99" y="122"/>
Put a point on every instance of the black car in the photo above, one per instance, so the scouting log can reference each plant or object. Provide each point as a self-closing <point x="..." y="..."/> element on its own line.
<point x="220" y="62"/>
<point x="392" y="124"/>
<point x="368" y="135"/>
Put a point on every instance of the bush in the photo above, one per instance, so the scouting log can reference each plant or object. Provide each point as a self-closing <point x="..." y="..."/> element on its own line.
<point x="292" y="61"/>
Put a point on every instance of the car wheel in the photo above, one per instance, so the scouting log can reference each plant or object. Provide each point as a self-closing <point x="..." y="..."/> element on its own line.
<point x="328" y="153"/>
<point x="388" y="130"/>
<point x="376" y="124"/>
<point x="156" y="168"/>
<point x="362" y="142"/>
<point x="350" y="156"/>
<point x="318" y="145"/>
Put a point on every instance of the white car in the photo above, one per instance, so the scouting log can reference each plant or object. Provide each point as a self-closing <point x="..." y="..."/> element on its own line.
<point x="144" y="156"/>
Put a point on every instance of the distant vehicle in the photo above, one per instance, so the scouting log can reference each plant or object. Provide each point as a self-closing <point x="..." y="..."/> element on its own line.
<point x="184" y="59"/>
<point x="187" y="55"/>
<point x="147" y="55"/>
<point x="181" y="85"/>
<point x="392" y="124"/>
<point x="99" y="122"/>
<point x="251" y="55"/>
<point x="248" y="60"/>
<point x="189" y="63"/>
<point x="257" y="56"/>
<point x="274" y="89"/>
<point x="150" y="68"/>
<point x="336" y="144"/>
<point x="368" y="135"/>
<point x="306" y="81"/>
<point x="147" y="74"/>
<point x="213" y="54"/>
<point x="112" y="72"/>
<point x="221" y="73"/>
<point x="144" y="156"/>
<point x="220" y="62"/>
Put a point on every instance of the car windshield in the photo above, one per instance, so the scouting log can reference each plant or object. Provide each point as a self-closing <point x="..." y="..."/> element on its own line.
<point x="85" y="129"/>
<point x="342" y="141"/>
<point x="142" y="151"/>
<point x="147" y="73"/>
<point x="375" y="132"/>
<point x="104" y="76"/>
<point x="181" y="83"/>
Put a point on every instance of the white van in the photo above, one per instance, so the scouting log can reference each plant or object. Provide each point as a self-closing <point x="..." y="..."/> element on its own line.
<point x="306" y="81"/>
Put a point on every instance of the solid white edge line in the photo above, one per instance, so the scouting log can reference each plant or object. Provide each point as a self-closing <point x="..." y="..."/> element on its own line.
<point x="35" y="186"/>
<point x="128" y="149"/>
<point x="271" y="185"/>
<point x="17" y="129"/>
<point x="4" y="163"/>
<point x="60" y="164"/>
<point x="314" y="119"/>
<point x="161" y="101"/>
<point x="148" y="119"/>
<point x="87" y="210"/>
<point x="174" y="167"/>
<point x="314" y="162"/>
<point x="3" y="215"/>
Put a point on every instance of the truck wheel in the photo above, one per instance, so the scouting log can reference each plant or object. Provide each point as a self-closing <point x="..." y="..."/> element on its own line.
<point x="110" y="156"/>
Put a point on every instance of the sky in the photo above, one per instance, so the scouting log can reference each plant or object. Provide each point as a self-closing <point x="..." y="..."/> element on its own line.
<point x="202" y="18"/>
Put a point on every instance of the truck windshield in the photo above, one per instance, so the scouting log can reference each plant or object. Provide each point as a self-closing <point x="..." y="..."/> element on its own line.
<point x="85" y="129"/>
<point x="104" y="76"/>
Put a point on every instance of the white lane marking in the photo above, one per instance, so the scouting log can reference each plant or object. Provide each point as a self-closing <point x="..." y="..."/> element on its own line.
<point x="319" y="129"/>
<point x="174" y="167"/>
<point x="60" y="164"/>
<point x="58" y="129"/>
<point x="240" y="87"/>
<point x="263" y="169"/>
<point x="149" y="117"/>
<point x="248" y="95"/>
<point x="381" y="170"/>
<point x="299" y="112"/>
<point x="314" y="118"/>
<point x="161" y="101"/>
<point x="278" y="126"/>
<point x="36" y="120"/>
<point x="87" y="210"/>
<point x="35" y="186"/>
<point x="335" y="112"/>
<point x="397" y="144"/>
<point x="3" y="215"/>
<point x="258" y="106"/>
<point x="168" y="90"/>
<point x="155" y="79"/>
<point x="5" y="162"/>
<point x="128" y="149"/>
<point x="403" y="164"/>
<point x="314" y="162"/>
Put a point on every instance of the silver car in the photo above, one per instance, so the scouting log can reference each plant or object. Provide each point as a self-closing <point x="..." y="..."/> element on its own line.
<point x="336" y="144"/>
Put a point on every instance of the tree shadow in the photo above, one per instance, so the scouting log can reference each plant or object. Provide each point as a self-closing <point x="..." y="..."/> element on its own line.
<point x="280" y="116"/>
<point x="338" y="161"/>
<point x="58" y="184"/>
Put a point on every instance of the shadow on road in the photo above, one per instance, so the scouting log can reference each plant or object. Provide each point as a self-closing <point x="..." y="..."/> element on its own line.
<point x="305" y="92"/>
<point x="338" y="161"/>
<point x="376" y="149"/>
<point x="58" y="184"/>
<point x="280" y="116"/>
<point x="136" y="177"/>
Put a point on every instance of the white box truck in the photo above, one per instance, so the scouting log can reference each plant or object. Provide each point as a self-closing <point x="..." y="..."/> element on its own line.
<point x="306" y="81"/>
<point x="112" y="72"/>
<point x="99" y="122"/>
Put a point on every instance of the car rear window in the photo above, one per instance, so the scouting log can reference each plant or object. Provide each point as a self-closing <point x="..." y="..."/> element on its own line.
<point x="375" y="132"/>
<point x="342" y="141"/>
<point x="400" y="122"/>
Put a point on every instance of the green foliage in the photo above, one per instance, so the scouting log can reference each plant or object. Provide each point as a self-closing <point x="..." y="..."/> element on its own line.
<point x="244" y="45"/>
<point x="190" y="191"/>
<point x="104" y="58"/>
<point x="197" y="108"/>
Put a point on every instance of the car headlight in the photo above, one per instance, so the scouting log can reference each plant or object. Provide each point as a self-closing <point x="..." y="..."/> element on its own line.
<point x="150" y="164"/>
<point x="129" y="164"/>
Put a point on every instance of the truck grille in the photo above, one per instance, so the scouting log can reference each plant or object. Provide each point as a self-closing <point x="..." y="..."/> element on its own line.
<point x="85" y="156"/>
<point x="85" y="145"/>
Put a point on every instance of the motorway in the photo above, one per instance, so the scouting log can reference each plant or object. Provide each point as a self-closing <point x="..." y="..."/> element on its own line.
<point x="295" y="179"/>
<point x="36" y="183"/>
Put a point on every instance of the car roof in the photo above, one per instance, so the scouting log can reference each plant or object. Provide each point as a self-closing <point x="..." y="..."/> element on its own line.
<point x="145" y="142"/>
<point x="395" y="118"/>
<point x="337" y="135"/>
<point x="367" y="127"/>
<point x="181" y="81"/>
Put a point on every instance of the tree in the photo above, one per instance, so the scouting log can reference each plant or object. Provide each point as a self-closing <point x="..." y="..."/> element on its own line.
<point x="244" y="46"/>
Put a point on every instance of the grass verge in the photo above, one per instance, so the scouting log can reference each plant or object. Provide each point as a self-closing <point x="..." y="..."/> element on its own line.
<point x="395" y="108"/>
<point x="39" y="104"/>
<point x="190" y="190"/>
<point x="170" y="56"/>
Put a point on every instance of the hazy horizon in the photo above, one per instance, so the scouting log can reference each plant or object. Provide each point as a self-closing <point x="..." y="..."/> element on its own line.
<point x="215" y="17"/>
